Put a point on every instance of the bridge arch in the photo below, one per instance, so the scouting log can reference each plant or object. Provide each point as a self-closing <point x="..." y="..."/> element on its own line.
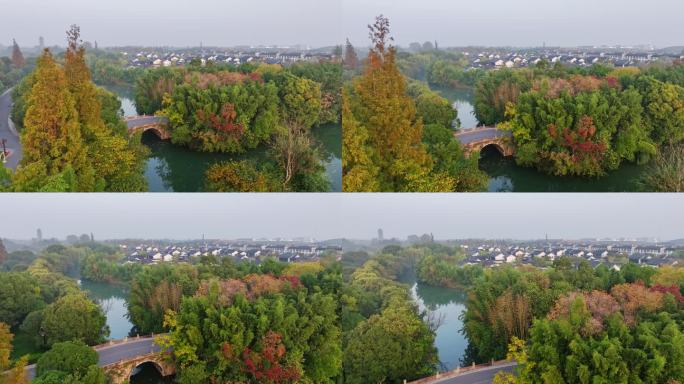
<point x="157" y="131"/>
<point x="500" y="147"/>
<point x="153" y="363"/>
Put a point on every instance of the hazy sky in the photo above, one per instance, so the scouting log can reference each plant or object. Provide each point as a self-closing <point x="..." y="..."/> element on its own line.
<point x="323" y="216"/>
<point x="327" y="22"/>
<point x="521" y="22"/>
<point x="174" y="22"/>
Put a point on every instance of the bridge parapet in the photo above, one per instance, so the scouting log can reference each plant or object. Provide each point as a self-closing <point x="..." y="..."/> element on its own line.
<point x="462" y="370"/>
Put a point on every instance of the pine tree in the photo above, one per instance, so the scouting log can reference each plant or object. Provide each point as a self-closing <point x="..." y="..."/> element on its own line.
<point x="359" y="174"/>
<point x="51" y="139"/>
<point x="18" y="60"/>
<point x="351" y="61"/>
<point x="115" y="162"/>
<point x="382" y="106"/>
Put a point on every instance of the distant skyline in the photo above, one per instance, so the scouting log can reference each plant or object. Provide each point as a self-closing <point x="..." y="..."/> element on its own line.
<point x="317" y="23"/>
<point x="174" y="23"/>
<point x="355" y="216"/>
<point x="521" y="23"/>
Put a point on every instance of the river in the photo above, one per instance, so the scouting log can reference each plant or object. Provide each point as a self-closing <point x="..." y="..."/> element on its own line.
<point x="506" y="176"/>
<point x="112" y="299"/>
<point x="172" y="168"/>
<point x="448" y="305"/>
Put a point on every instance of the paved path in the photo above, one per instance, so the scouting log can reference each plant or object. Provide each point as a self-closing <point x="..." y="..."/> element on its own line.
<point x="5" y="132"/>
<point x="480" y="376"/>
<point x="467" y="136"/>
<point x="110" y="354"/>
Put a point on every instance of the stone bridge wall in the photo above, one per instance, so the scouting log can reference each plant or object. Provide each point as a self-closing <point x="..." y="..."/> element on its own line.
<point x="158" y="130"/>
<point x="503" y="144"/>
<point x="121" y="371"/>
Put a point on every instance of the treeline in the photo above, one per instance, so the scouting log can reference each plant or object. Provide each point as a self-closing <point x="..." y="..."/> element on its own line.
<point x="397" y="137"/>
<point x="570" y="323"/>
<point x="284" y="323"/>
<point x="584" y="121"/>
<point x="439" y="68"/>
<point x="72" y="135"/>
<point x="628" y="331"/>
<point x="45" y="317"/>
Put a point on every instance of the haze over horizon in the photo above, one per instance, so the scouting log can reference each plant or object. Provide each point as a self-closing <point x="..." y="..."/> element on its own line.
<point x="522" y="23"/>
<point x="174" y="23"/>
<point x="354" y="216"/>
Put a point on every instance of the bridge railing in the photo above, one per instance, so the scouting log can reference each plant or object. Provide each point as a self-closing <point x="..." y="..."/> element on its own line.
<point x="124" y="340"/>
<point x="456" y="372"/>
<point x="467" y="130"/>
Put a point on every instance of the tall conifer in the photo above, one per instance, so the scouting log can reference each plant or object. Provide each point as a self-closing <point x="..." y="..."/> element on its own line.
<point x="382" y="105"/>
<point x="51" y="138"/>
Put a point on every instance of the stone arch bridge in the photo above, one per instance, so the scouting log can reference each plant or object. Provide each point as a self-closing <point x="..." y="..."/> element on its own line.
<point x="119" y="358"/>
<point x="474" y="139"/>
<point x="156" y="124"/>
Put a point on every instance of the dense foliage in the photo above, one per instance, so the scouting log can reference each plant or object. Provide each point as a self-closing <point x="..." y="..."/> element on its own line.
<point x="43" y="305"/>
<point x="73" y="138"/>
<point x="583" y="122"/>
<point x="392" y="142"/>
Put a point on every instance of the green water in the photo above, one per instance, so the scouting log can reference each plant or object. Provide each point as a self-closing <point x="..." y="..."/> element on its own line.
<point x="112" y="299"/>
<point x="506" y="176"/>
<point x="172" y="168"/>
<point x="447" y="304"/>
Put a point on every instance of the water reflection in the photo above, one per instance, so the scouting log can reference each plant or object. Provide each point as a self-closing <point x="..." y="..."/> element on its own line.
<point x="462" y="100"/>
<point x="447" y="305"/>
<point x="112" y="299"/>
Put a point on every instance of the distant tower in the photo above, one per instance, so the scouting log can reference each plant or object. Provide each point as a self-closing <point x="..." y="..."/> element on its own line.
<point x="92" y="237"/>
<point x="39" y="234"/>
<point x="380" y="235"/>
<point x="41" y="42"/>
<point x="96" y="45"/>
<point x="436" y="46"/>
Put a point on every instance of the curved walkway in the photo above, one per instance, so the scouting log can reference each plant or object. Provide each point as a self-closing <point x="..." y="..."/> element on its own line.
<point x="8" y="132"/>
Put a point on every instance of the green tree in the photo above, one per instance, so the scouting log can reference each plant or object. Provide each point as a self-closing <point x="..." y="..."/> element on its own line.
<point x="70" y="357"/>
<point x="666" y="172"/>
<point x="392" y="346"/>
<point x="74" y="317"/>
<point x="19" y="295"/>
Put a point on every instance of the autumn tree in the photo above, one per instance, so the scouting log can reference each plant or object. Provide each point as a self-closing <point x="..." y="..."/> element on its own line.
<point x="117" y="164"/>
<point x="18" y="60"/>
<point x="54" y="155"/>
<point x="358" y="171"/>
<point x="10" y="373"/>
<point x="381" y="105"/>
<point x="351" y="61"/>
